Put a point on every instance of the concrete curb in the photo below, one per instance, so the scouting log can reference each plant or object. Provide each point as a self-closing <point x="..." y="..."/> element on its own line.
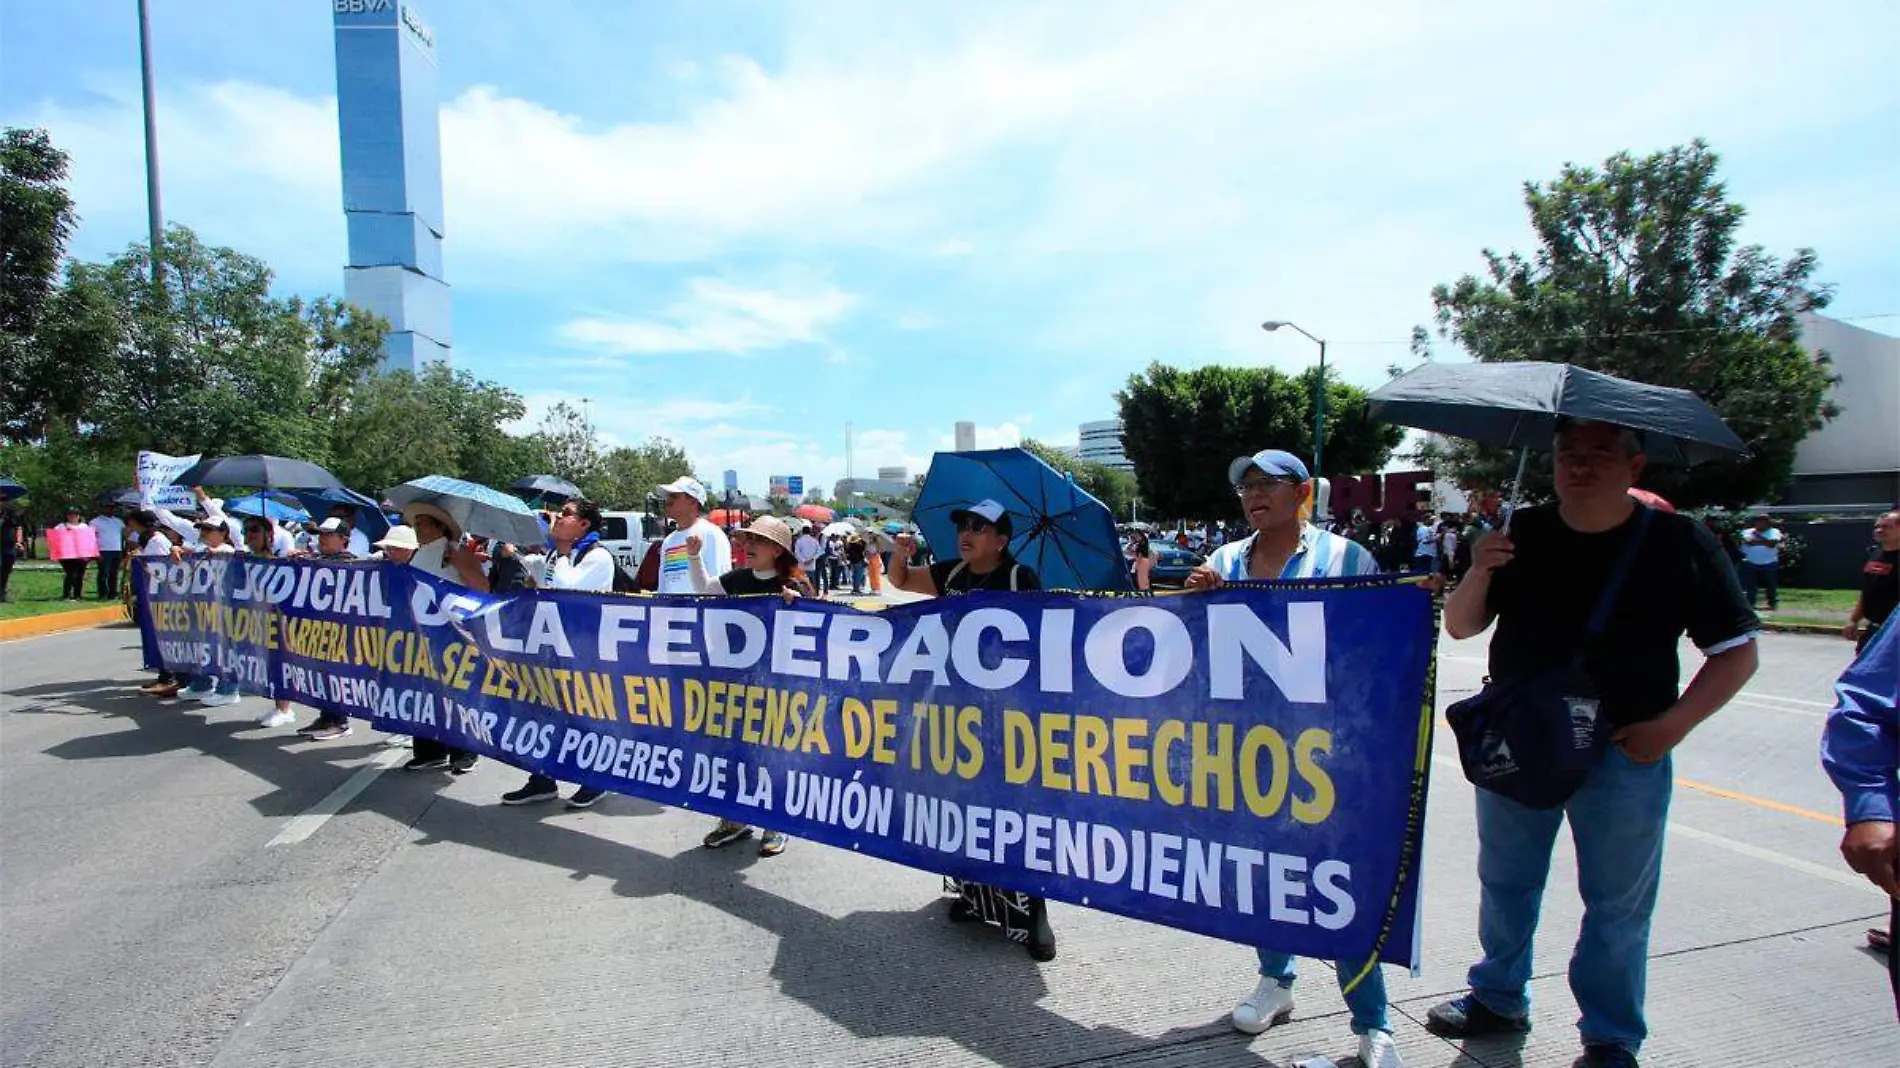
<point x="1804" y="628"/>
<point x="56" y="622"/>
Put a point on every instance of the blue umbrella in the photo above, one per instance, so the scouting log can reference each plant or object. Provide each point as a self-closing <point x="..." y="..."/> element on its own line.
<point x="1059" y="530"/>
<point x="478" y="510"/>
<point x="369" y="517"/>
<point x="269" y="507"/>
<point x="10" y="489"/>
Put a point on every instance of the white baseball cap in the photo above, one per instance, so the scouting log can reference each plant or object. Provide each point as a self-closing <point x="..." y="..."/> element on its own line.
<point x="333" y="525"/>
<point x="400" y="536"/>
<point x="688" y="485"/>
<point x="986" y="509"/>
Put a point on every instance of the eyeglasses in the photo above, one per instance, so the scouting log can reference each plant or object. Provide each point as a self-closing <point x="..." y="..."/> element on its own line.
<point x="974" y="524"/>
<point x="1265" y="484"/>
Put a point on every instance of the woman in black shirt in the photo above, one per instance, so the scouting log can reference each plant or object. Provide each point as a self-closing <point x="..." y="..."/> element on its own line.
<point x="984" y="563"/>
<point x="770" y="568"/>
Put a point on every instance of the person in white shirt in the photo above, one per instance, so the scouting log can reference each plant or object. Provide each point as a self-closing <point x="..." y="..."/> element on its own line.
<point x="1276" y="494"/>
<point x="359" y="542"/>
<point x="214" y="539"/>
<point x="578" y="561"/>
<point x="1425" y="559"/>
<point x="1761" y="561"/>
<point x="685" y="502"/>
<point x="153" y="543"/>
<point x="806" y="550"/>
<point x="109" y="530"/>
<point x="439" y="553"/>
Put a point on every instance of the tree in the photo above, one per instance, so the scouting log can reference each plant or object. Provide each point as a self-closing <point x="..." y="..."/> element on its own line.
<point x="1116" y="489"/>
<point x="629" y="475"/>
<point x="1182" y="427"/>
<point x="63" y="470"/>
<point x="1637" y="273"/>
<point x="36" y="219"/>
<point x="39" y="219"/>
<point x="572" y="449"/>
<point x="404" y="425"/>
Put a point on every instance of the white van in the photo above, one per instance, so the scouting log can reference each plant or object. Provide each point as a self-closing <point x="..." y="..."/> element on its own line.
<point x="627" y="535"/>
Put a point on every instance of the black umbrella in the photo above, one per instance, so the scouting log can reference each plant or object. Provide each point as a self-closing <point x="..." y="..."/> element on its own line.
<point x="1517" y="406"/>
<point x="546" y="489"/>
<point x="263" y="472"/>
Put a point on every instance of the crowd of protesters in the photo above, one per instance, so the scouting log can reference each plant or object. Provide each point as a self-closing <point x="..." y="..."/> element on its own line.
<point x="1536" y="585"/>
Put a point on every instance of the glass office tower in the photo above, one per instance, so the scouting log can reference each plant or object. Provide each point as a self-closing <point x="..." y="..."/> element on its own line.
<point x="392" y="176"/>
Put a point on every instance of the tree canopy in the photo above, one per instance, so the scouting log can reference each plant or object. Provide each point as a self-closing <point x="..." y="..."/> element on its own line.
<point x="1638" y="272"/>
<point x="1116" y="489"/>
<point x="1181" y="427"/>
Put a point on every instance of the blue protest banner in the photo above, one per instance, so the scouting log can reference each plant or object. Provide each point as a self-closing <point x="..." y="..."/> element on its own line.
<point x="1248" y="763"/>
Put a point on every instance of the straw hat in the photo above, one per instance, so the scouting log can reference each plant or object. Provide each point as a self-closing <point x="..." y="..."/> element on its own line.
<point x="772" y="529"/>
<point x="417" y="508"/>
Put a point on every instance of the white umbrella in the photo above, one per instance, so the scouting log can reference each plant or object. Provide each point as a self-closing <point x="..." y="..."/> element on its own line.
<point x="842" y="528"/>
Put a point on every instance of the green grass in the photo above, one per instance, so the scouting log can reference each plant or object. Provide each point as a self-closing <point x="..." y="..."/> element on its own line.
<point x="34" y="591"/>
<point x="1827" y="607"/>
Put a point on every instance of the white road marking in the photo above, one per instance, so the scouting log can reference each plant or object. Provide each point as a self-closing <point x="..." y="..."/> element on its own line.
<point x="307" y="823"/>
<point x="1755" y="852"/>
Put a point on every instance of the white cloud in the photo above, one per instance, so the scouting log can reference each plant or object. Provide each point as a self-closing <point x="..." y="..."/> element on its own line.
<point x="719" y="317"/>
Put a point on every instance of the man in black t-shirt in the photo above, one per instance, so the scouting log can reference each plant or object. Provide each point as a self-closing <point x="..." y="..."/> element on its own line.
<point x="1879" y="583"/>
<point x="1541" y="582"/>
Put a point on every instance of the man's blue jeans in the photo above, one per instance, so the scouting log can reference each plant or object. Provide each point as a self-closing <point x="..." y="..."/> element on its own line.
<point x="1617" y="821"/>
<point x="1367" y="1000"/>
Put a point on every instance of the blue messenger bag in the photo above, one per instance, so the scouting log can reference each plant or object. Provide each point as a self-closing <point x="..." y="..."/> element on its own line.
<point x="1534" y="737"/>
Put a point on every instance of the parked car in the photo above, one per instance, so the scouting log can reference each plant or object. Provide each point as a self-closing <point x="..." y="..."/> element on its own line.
<point x="1172" y="564"/>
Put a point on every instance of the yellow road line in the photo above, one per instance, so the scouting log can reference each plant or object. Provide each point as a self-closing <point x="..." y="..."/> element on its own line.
<point x="1731" y="795"/>
<point x="1761" y="802"/>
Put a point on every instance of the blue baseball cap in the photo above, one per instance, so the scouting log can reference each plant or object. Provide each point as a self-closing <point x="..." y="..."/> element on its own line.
<point x="1270" y="461"/>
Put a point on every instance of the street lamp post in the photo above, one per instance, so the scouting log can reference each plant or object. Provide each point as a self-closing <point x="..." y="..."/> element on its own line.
<point x="1319" y="399"/>
<point x="154" y="215"/>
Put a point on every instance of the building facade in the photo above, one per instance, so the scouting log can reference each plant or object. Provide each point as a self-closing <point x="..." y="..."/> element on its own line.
<point x="1855" y="457"/>
<point x="893" y="474"/>
<point x="1101" y="442"/>
<point x="966" y="437"/>
<point x="392" y="176"/>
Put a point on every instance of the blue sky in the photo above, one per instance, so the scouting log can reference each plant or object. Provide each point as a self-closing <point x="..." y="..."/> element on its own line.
<point x="742" y="225"/>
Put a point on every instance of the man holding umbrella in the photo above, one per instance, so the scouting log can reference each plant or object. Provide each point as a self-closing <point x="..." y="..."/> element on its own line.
<point x="1541" y="581"/>
<point x="1276" y="494"/>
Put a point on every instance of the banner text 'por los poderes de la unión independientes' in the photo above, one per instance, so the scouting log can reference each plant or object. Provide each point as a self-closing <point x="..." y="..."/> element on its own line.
<point x="1247" y="763"/>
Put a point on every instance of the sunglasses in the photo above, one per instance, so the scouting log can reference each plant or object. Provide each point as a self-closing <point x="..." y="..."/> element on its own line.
<point x="974" y="524"/>
<point x="1266" y="484"/>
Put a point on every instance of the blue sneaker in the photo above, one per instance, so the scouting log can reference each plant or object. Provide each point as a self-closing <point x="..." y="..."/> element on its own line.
<point x="1467" y="1017"/>
<point x="199" y="689"/>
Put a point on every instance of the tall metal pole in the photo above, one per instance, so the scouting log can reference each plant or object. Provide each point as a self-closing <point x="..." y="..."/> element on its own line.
<point x="1319" y="411"/>
<point x="153" y="210"/>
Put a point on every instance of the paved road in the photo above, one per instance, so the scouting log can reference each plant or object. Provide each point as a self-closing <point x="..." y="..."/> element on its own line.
<point x="167" y="902"/>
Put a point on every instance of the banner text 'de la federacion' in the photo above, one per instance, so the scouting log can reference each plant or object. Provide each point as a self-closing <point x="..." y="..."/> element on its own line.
<point x="1162" y="750"/>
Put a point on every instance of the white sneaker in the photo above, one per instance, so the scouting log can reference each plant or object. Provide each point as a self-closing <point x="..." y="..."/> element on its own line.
<point x="219" y="700"/>
<point x="1377" y="1050"/>
<point x="1269" y="1004"/>
<point x="276" y="717"/>
<point x="198" y="691"/>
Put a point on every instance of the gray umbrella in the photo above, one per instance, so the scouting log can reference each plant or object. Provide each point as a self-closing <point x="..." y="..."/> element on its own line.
<point x="1517" y="406"/>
